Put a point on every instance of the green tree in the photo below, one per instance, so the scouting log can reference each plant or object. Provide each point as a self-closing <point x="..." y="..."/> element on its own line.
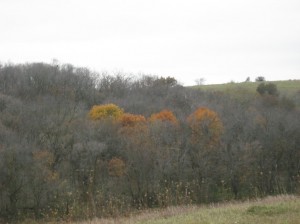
<point x="260" y="79"/>
<point x="269" y="88"/>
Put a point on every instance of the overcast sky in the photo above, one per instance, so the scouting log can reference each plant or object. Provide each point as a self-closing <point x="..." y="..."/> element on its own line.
<point x="218" y="40"/>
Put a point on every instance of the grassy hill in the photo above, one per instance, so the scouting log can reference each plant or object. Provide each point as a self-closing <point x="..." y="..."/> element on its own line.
<point x="246" y="91"/>
<point x="289" y="87"/>
<point x="273" y="210"/>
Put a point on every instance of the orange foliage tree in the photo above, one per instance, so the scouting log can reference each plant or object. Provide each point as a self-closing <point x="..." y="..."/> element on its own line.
<point x="164" y="115"/>
<point x="132" y="120"/>
<point x="104" y="111"/>
<point x="206" y="127"/>
<point x="132" y="125"/>
<point x="164" y="128"/>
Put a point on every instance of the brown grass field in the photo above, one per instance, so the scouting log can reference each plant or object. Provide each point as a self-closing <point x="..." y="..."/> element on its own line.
<point x="270" y="210"/>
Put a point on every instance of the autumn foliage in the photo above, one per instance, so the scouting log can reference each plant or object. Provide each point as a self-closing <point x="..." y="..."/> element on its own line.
<point x="164" y="115"/>
<point x="104" y="111"/>
<point x="206" y="126"/>
<point x="132" y="120"/>
<point x="69" y="152"/>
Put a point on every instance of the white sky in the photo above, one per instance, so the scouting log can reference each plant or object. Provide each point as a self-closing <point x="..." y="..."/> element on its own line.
<point x="218" y="40"/>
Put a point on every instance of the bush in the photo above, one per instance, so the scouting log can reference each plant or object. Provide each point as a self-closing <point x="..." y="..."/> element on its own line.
<point x="269" y="88"/>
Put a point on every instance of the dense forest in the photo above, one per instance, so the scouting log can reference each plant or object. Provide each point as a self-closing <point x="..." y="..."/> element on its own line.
<point x="77" y="144"/>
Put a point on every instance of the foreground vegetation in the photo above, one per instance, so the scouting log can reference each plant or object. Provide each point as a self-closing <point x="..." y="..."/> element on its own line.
<point x="270" y="210"/>
<point x="76" y="145"/>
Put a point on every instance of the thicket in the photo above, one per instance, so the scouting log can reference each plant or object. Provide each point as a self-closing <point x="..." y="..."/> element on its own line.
<point x="75" y="144"/>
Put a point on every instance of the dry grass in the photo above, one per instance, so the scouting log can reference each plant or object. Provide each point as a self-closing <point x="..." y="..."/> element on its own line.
<point x="146" y="215"/>
<point x="270" y="210"/>
<point x="275" y="210"/>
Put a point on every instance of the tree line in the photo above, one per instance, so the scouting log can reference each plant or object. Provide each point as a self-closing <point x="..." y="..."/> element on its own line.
<point x="76" y="144"/>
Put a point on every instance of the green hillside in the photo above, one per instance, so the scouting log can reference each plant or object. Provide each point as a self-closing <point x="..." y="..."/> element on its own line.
<point x="288" y="87"/>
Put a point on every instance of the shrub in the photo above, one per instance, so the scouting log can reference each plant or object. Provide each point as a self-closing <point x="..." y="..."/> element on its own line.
<point x="269" y="88"/>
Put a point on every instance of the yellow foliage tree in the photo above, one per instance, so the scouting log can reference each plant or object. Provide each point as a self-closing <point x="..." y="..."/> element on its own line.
<point x="164" y="115"/>
<point x="206" y="127"/>
<point x="105" y="111"/>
